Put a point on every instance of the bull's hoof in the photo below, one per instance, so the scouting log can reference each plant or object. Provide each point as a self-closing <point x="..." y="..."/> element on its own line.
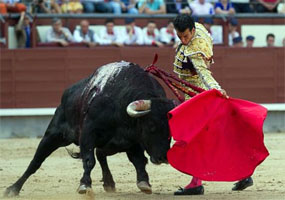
<point x="109" y="189"/>
<point x="11" y="191"/>
<point x="83" y="189"/>
<point x="144" y="187"/>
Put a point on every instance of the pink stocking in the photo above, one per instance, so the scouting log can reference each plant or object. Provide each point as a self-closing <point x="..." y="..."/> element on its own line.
<point x="195" y="182"/>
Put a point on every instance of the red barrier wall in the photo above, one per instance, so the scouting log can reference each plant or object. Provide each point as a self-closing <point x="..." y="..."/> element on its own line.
<point x="37" y="77"/>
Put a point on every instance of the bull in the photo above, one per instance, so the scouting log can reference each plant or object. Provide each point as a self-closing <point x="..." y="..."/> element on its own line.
<point x="119" y="108"/>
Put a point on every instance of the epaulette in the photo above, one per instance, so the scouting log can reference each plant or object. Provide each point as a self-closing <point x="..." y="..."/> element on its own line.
<point x="199" y="46"/>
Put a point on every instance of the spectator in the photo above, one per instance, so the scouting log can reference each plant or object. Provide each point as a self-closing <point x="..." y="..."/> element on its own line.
<point x="151" y="6"/>
<point x="201" y="7"/>
<point x="110" y="36"/>
<point x="237" y="42"/>
<point x="224" y="7"/>
<point x="2" y="36"/>
<point x="23" y="31"/>
<point x="270" y="40"/>
<point x="13" y="6"/>
<point x="133" y="34"/>
<point x="2" y="41"/>
<point x="59" y="34"/>
<point x="177" y="6"/>
<point x="233" y="23"/>
<point x="242" y="6"/>
<point x="217" y="36"/>
<point x="100" y="6"/>
<point x="281" y="7"/>
<point x="3" y="9"/>
<point x="249" y="41"/>
<point x="71" y="6"/>
<point x="267" y="6"/>
<point x="85" y="35"/>
<point x="46" y="6"/>
<point x="168" y="35"/>
<point x="129" y="6"/>
<point x="116" y="6"/>
<point x="151" y="35"/>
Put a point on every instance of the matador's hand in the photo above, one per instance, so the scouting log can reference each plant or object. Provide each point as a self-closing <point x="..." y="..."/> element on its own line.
<point x="224" y="93"/>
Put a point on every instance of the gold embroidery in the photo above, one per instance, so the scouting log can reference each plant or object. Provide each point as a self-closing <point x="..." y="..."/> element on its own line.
<point x="178" y="63"/>
<point x="204" y="73"/>
<point x="194" y="80"/>
<point x="185" y="72"/>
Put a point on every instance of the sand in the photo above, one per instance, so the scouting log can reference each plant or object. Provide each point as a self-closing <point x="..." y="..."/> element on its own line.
<point x="58" y="177"/>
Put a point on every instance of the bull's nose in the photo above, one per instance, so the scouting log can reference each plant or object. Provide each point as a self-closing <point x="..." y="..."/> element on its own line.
<point x="155" y="161"/>
<point x="158" y="161"/>
<point x="164" y="160"/>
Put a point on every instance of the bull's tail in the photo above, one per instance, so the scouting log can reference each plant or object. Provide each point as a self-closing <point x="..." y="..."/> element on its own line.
<point x="75" y="155"/>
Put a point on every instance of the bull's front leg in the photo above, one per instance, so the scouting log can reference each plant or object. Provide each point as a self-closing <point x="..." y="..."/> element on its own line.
<point x="87" y="154"/>
<point x="136" y="156"/>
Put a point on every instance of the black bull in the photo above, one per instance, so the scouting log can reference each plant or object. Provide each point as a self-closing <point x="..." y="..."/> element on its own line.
<point x="119" y="108"/>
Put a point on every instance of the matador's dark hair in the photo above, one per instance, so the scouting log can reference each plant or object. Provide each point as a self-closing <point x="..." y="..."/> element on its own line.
<point x="183" y="22"/>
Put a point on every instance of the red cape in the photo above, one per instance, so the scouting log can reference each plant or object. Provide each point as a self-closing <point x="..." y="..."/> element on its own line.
<point x="218" y="139"/>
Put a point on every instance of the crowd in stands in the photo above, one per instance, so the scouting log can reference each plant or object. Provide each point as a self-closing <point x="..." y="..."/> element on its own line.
<point x="270" y="41"/>
<point x="129" y="34"/>
<point x="196" y="7"/>
<point x="132" y="34"/>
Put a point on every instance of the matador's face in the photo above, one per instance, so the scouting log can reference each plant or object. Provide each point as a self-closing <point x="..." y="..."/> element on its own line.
<point x="186" y="36"/>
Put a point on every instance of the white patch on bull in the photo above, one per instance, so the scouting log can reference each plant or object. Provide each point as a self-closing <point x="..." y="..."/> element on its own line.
<point x="105" y="74"/>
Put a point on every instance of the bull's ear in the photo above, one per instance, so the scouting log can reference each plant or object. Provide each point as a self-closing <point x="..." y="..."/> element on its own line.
<point x="139" y="108"/>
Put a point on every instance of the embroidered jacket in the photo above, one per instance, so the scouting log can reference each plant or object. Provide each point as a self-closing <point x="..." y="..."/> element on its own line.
<point x="196" y="57"/>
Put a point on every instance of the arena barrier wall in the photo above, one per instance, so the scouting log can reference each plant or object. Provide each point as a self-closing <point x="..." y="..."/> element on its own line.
<point x="36" y="78"/>
<point x="33" y="122"/>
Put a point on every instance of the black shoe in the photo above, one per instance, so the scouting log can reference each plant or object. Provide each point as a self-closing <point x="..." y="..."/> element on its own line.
<point x="241" y="185"/>
<point x="191" y="191"/>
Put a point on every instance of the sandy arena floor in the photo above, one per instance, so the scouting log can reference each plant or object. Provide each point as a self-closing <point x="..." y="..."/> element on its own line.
<point x="59" y="176"/>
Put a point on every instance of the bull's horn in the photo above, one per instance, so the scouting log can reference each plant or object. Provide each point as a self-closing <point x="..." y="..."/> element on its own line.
<point x="139" y="108"/>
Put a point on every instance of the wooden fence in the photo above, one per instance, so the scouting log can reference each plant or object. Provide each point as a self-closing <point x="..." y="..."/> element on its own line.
<point x="37" y="77"/>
